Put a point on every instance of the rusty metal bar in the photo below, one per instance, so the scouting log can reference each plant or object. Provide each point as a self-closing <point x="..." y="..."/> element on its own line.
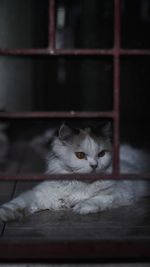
<point x="72" y="52"/>
<point x="55" y="52"/>
<point x="25" y="52"/>
<point x="51" y="26"/>
<point x="116" y="135"/>
<point x="136" y="52"/>
<point x="80" y="177"/>
<point x="56" y="114"/>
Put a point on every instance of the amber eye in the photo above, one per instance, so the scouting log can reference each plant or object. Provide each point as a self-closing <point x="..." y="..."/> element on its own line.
<point x="102" y="153"/>
<point x="80" y="155"/>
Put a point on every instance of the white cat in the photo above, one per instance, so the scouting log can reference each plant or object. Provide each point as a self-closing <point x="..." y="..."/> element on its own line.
<point x="80" y="151"/>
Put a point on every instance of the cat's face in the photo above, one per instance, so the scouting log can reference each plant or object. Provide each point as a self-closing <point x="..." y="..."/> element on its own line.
<point x="82" y="151"/>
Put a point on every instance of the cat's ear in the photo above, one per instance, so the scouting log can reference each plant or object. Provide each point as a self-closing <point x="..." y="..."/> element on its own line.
<point x="106" y="130"/>
<point x="103" y="128"/>
<point x="65" y="132"/>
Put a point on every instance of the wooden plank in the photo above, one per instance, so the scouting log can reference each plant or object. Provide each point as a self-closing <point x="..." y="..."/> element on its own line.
<point x="132" y="223"/>
<point x="119" y="233"/>
<point x="75" y="251"/>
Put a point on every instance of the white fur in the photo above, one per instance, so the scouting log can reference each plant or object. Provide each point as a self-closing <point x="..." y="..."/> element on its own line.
<point x="65" y="161"/>
<point x="81" y="197"/>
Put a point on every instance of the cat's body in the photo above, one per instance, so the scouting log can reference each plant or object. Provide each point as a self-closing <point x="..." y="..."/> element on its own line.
<point x="81" y="151"/>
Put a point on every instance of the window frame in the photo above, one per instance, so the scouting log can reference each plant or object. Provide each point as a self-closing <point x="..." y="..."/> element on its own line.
<point x="78" y="250"/>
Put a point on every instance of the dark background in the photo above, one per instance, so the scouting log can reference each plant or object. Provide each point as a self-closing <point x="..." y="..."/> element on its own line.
<point x="77" y="83"/>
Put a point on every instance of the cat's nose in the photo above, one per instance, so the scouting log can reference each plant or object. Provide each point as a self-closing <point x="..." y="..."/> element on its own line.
<point x="93" y="166"/>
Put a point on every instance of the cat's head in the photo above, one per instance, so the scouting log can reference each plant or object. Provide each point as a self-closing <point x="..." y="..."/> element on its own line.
<point x="83" y="150"/>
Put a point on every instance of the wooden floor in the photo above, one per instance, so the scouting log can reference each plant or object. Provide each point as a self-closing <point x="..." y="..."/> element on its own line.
<point x="119" y="233"/>
<point x="121" y="228"/>
<point x="125" y="223"/>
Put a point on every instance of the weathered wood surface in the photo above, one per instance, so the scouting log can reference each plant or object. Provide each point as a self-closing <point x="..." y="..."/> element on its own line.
<point x="125" y="223"/>
<point x="53" y="232"/>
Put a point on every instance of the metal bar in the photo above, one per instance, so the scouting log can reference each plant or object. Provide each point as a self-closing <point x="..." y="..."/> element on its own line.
<point x="136" y="52"/>
<point x="55" y="52"/>
<point x="80" y="177"/>
<point x="86" y="52"/>
<point x="116" y="142"/>
<point x="25" y="52"/>
<point x="75" y="250"/>
<point x="51" y="26"/>
<point x="72" y="52"/>
<point x="117" y="25"/>
<point x="116" y="136"/>
<point x="56" y="114"/>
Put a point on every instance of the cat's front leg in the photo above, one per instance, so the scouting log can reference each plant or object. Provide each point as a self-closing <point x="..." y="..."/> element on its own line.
<point x="94" y="204"/>
<point x="18" y="207"/>
<point x="10" y="211"/>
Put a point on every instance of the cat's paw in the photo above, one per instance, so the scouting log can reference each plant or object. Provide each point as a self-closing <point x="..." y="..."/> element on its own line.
<point x="7" y="214"/>
<point x="85" y="207"/>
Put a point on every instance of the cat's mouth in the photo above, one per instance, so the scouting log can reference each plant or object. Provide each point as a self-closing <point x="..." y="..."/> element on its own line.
<point x="93" y="171"/>
<point x="82" y="171"/>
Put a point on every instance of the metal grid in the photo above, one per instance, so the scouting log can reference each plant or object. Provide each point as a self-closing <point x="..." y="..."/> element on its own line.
<point x="50" y="51"/>
<point x="112" y="250"/>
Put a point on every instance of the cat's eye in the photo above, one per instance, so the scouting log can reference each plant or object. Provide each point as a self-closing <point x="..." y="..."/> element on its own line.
<point x="80" y="155"/>
<point x="102" y="153"/>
